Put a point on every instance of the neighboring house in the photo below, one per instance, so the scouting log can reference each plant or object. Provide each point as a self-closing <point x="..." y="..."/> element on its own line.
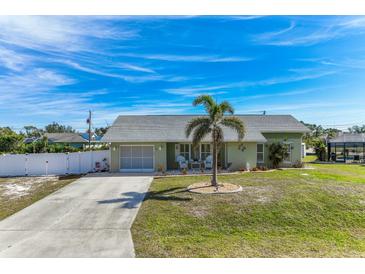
<point x="347" y="147"/>
<point x="71" y="139"/>
<point x="94" y="138"/>
<point x="30" y="140"/>
<point x="153" y="142"/>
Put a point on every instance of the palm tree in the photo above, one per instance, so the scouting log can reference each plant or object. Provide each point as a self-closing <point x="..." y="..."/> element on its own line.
<point x="212" y="124"/>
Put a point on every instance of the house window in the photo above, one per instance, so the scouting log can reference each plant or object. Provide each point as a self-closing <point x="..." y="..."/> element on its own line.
<point x="288" y="158"/>
<point x="260" y="153"/>
<point x="185" y="151"/>
<point x="204" y="151"/>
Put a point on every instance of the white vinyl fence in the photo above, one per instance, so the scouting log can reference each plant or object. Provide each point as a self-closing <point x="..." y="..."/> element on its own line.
<point x="52" y="163"/>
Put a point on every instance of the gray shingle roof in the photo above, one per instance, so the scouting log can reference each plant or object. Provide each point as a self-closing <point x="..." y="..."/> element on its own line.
<point x="171" y="128"/>
<point x="349" y="138"/>
<point x="65" y="138"/>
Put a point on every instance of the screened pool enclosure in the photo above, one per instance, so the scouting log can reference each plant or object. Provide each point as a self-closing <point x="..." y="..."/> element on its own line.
<point x="347" y="148"/>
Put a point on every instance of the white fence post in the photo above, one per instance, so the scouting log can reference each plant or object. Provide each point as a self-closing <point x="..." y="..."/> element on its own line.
<point x="26" y="165"/>
<point x="79" y="162"/>
<point x="92" y="161"/>
<point x="46" y="167"/>
<point x="67" y="163"/>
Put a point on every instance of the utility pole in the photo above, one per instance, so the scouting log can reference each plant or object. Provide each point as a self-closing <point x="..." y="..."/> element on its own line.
<point x="89" y="122"/>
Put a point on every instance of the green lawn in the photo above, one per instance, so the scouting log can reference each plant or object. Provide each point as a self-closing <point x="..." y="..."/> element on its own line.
<point x="290" y="213"/>
<point x="19" y="192"/>
<point x="309" y="158"/>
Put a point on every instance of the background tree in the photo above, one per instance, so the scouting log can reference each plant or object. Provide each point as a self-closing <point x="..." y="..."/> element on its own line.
<point x="32" y="131"/>
<point x="100" y="131"/>
<point x="10" y="141"/>
<point x="277" y="153"/>
<point x="57" y="128"/>
<point x="357" y="129"/>
<point x="213" y="124"/>
<point x="38" y="146"/>
<point x="318" y="133"/>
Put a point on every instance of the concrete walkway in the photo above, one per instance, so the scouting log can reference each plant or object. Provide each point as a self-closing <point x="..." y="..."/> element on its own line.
<point x="91" y="217"/>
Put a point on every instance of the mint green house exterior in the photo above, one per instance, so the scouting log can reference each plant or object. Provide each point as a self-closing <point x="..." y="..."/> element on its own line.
<point x="152" y="143"/>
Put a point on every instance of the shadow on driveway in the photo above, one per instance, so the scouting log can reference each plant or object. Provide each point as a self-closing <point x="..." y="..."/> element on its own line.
<point x="132" y="199"/>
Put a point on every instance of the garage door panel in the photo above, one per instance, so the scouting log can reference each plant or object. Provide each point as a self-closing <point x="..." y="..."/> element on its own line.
<point x="137" y="151"/>
<point x="148" y="152"/>
<point x="125" y="163"/>
<point x="137" y="163"/>
<point x="126" y="151"/>
<point x="148" y="163"/>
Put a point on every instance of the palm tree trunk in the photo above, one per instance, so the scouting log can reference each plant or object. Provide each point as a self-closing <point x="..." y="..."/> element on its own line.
<point x="214" y="177"/>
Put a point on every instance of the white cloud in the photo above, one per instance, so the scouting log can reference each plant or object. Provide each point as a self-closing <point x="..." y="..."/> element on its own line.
<point x="276" y="94"/>
<point x="296" y="76"/>
<point x="312" y="32"/>
<point x="128" y="78"/>
<point x="13" y="60"/>
<point x="188" y="58"/>
<point x="34" y="79"/>
<point x="244" y="17"/>
<point x="55" y="33"/>
<point x="196" y="90"/>
<point x="134" y="67"/>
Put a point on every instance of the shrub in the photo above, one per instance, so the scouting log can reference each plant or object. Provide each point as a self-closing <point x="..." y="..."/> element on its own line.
<point x="298" y="164"/>
<point x="262" y="168"/>
<point x="160" y="168"/>
<point x="320" y="149"/>
<point x="277" y="153"/>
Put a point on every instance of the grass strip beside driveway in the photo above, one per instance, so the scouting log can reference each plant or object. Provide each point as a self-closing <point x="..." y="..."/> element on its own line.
<point x="19" y="192"/>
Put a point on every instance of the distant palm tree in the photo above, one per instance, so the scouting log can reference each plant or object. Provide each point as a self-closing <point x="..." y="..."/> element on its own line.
<point x="212" y="124"/>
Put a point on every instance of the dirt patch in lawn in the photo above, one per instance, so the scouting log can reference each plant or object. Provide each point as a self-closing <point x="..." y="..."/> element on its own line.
<point x="13" y="188"/>
<point x="199" y="211"/>
<point x="261" y="194"/>
<point x="345" y="189"/>
<point x="207" y="188"/>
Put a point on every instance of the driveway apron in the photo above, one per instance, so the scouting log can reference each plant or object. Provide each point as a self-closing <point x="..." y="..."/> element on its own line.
<point x="91" y="217"/>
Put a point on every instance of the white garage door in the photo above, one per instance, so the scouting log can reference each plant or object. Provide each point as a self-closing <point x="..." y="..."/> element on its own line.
<point x="136" y="158"/>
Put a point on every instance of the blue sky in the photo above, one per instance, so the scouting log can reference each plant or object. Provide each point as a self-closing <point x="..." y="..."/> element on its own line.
<point x="57" y="68"/>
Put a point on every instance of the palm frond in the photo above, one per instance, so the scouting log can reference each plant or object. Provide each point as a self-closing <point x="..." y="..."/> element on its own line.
<point x="225" y="106"/>
<point x="200" y="132"/>
<point x="206" y="100"/>
<point x="193" y="123"/>
<point x="235" y="124"/>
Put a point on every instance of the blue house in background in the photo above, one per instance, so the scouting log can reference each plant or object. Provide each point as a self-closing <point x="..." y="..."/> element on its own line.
<point x="94" y="137"/>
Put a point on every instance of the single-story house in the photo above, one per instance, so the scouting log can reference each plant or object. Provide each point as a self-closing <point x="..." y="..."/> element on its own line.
<point x="347" y="147"/>
<point x="94" y="138"/>
<point x="71" y="139"/>
<point x="153" y="142"/>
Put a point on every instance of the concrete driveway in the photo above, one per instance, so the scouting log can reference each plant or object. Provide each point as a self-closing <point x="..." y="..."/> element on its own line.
<point x="91" y="217"/>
